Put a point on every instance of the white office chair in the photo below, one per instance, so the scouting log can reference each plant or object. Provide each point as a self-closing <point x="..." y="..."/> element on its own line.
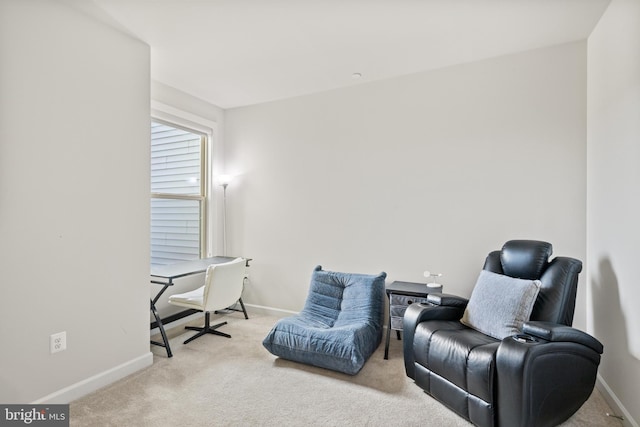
<point x="222" y="288"/>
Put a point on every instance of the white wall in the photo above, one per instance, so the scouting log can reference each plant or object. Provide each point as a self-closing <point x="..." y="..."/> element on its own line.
<point x="74" y="201"/>
<point x="613" y="204"/>
<point x="428" y="171"/>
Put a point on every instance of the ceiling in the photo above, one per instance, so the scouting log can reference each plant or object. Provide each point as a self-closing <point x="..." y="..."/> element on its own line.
<point x="239" y="52"/>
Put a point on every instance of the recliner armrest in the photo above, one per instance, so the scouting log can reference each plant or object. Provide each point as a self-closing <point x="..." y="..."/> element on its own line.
<point x="545" y="375"/>
<point x="561" y="333"/>
<point x="447" y="300"/>
<point x="413" y="316"/>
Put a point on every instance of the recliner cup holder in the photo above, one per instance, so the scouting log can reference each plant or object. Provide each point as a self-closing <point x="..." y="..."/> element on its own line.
<point x="526" y="339"/>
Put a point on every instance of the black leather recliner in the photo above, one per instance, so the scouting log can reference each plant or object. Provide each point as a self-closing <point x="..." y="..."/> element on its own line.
<point x="539" y="377"/>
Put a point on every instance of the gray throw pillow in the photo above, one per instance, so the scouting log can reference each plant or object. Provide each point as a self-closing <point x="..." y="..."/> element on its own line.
<point x="499" y="304"/>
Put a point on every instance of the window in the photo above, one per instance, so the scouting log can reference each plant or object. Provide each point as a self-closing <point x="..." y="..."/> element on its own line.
<point x="177" y="194"/>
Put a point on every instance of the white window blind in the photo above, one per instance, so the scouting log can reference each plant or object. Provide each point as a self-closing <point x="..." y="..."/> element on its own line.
<point x="177" y="194"/>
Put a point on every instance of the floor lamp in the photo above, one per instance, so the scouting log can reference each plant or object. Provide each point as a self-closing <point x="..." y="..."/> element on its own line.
<point x="224" y="181"/>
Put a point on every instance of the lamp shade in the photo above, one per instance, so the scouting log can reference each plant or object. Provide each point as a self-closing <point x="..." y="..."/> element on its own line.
<point x="224" y="180"/>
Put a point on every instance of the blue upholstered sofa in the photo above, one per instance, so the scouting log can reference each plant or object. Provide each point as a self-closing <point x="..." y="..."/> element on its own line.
<point x="340" y="325"/>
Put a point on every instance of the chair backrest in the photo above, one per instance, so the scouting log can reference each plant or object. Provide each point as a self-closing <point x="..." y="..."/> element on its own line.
<point x="223" y="284"/>
<point x="530" y="259"/>
<point x="342" y="298"/>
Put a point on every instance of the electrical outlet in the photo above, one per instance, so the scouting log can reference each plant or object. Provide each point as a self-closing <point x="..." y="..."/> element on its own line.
<point x="58" y="342"/>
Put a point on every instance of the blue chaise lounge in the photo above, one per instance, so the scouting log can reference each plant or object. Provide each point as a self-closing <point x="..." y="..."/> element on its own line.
<point x="340" y="325"/>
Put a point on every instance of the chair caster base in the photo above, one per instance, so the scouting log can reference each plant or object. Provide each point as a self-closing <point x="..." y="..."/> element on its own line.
<point x="206" y="330"/>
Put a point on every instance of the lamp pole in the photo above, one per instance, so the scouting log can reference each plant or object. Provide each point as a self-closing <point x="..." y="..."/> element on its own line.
<point x="224" y="218"/>
<point x="224" y="180"/>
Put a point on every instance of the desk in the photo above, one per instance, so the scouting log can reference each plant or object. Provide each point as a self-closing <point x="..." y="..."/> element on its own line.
<point x="165" y="275"/>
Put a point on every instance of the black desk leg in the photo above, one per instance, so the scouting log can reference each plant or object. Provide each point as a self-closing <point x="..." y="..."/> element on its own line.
<point x="165" y="340"/>
<point x="228" y="309"/>
<point x="244" y="310"/>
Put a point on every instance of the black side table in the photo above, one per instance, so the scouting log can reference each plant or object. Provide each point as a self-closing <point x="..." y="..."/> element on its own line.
<point x="401" y="295"/>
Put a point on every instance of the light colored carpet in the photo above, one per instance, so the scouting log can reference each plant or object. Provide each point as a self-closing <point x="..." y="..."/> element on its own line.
<point x="216" y="381"/>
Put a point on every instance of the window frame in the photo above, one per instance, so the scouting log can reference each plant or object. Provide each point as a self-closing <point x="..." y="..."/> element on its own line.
<point x="206" y="121"/>
<point x="203" y="197"/>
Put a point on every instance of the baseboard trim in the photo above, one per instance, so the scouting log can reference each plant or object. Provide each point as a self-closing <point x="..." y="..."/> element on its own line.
<point x="91" y="384"/>
<point x="251" y="309"/>
<point x="271" y="311"/>
<point x="175" y="317"/>
<point x="198" y="315"/>
<point x="613" y="401"/>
